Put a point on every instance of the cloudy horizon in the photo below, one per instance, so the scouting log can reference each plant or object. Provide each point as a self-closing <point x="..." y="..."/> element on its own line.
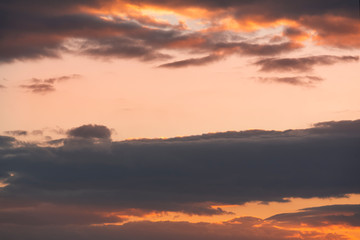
<point x="205" y="120"/>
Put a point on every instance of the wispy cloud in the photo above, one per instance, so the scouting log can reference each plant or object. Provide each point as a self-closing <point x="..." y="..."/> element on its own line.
<point x="304" y="64"/>
<point x="306" y="81"/>
<point x="43" y="86"/>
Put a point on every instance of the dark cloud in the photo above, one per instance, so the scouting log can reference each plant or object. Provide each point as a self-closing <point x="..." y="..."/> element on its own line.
<point x="322" y="216"/>
<point x="17" y="133"/>
<point x="2" y="86"/>
<point x="222" y="50"/>
<point x="90" y="131"/>
<point x="6" y="141"/>
<point x="306" y="81"/>
<point x="30" y="36"/>
<point x="185" y="174"/>
<point x="120" y="47"/>
<point x="192" y="62"/>
<point x="44" y="29"/>
<point x="301" y="64"/>
<point x="45" y="215"/>
<point x="43" y="86"/>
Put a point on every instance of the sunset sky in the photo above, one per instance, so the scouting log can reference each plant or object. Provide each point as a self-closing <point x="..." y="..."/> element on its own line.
<point x="179" y="119"/>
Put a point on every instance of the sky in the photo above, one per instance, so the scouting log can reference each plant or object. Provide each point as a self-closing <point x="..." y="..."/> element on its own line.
<point x="207" y="119"/>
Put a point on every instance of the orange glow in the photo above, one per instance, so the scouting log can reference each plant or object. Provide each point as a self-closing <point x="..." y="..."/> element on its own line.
<point x="251" y="23"/>
<point x="351" y="233"/>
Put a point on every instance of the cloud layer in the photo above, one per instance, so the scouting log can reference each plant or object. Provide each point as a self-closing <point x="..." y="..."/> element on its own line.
<point x="92" y="28"/>
<point x="183" y="174"/>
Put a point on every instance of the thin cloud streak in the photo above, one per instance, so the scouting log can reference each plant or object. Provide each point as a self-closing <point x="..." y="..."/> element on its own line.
<point x="304" y="64"/>
<point x="44" y="86"/>
<point x="305" y="81"/>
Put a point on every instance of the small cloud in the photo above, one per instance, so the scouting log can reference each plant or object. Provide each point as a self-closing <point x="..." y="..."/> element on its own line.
<point x="37" y="132"/>
<point x="43" y="86"/>
<point x="193" y="62"/>
<point x="305" y="81"/>
<point x="90" y="131"/>
<point x="17" y="133"/>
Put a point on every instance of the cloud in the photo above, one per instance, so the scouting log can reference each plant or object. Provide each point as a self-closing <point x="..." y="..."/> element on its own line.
<point x="43" y="29"/>
<point x="17" y="133"/>
<point x="2" y="86"/>
<point x="122" y="48"/>
<point x="322" y="216"/>
<point x="192" y="62"/>
<point x="188" y="174"/>
<point x="6" y="141"/>
<point x="301" y="64"/>
<point x="90" y="131"/>
<point x="222" y="50"/>
<point x="306" y="81"/>
<point x="39" y="88"/>
<point x="47" y="215"/>
<point x="43" y="86"/>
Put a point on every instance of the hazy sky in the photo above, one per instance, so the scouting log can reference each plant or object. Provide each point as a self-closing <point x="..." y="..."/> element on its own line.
<point x="247" y="112"/>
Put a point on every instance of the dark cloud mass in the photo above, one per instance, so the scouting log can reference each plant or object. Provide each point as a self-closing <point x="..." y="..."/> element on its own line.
<point x="184" y="174"/>
<point x="45" y="28"/>
<point x="301" y="64"/>
<point x="6" y="141"/>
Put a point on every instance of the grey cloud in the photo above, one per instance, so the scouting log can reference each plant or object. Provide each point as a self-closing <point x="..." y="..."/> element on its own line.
<point x="42" y="28"/>
<point x="45" y="215"/>
<point x="121" y="47"/>
<point x="43" y="86"/>
<point x="186" y="174"/>
<point x="306" y="81"/>
<point x="39" y="87"/>
<point x="6" y="141"/>
<point x="192" y="62"/>
<point x="291" y="31"/>
<point x="59" y="79"/>
<point x="43" y="35"/>
<point x="17" y="133"/>
<point x="222" y="50"/>
<point x="322" y="216"/>
<point x="90" y="131"/>
<point x="301" y="64"/>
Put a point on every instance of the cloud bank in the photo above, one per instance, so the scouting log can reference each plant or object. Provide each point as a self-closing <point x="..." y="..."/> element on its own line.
<point x="187" y="174"/>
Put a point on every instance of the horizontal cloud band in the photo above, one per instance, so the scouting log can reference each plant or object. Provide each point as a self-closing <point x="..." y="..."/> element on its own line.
<point x="185" y="174"/>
